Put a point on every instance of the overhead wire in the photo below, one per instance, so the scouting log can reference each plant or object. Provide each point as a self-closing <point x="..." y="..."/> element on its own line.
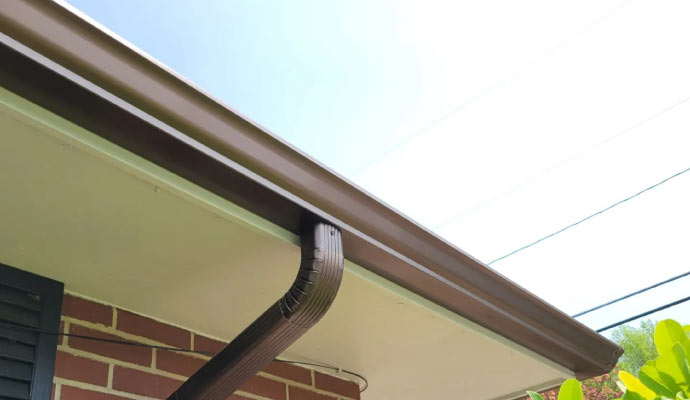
<point x="635" y="293"/>
<point x="489" y="89"/>
<point x="574" y="224"/>
<point x="644" y="314"/>
<point x="560" y="164"/>
<point x="363" y="384"/>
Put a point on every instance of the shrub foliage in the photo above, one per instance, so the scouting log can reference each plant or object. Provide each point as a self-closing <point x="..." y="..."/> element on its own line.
<point x="667" y="377"/>
<point x="638" y="344"/>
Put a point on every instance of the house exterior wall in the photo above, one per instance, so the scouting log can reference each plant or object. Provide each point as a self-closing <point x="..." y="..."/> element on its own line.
<point x="96" y="370"/>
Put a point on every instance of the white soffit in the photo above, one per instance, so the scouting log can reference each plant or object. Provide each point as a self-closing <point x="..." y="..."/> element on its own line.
<point x="114" y="227"/>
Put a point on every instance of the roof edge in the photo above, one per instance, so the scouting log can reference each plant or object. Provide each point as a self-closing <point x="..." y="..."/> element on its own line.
<point x="274" y="180"/>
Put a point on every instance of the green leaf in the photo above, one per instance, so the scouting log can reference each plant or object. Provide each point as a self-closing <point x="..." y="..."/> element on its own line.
<point x="570" y="390"/>
<point x="534" y="395"/>
<point x="681" y="358"/>
<point x="649" y="375"/>
<point x="632" y="396"/>
<point x="670" y="367"/>
<point x="667" y="333"/>
<point x="633" y="384"/>
<point x="680" y="396"/>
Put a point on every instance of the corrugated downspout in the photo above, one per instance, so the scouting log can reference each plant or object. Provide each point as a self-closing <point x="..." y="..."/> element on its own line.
<point x="307" y="300"/>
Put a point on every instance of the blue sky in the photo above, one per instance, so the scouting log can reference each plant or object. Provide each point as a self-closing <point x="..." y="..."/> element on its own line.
<point x="492" y="123"/>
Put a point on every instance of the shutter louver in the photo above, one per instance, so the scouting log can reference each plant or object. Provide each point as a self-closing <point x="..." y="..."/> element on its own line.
<point x="17" y="346"/>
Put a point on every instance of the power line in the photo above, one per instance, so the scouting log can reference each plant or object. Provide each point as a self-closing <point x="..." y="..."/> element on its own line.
<point x="644" y="314"/>
<point x="669" y="280"/>
<point x="548" y="170"/>
<point x="178" y="349"/>
<point x="490" y="88"/>
<point x="527" y="246"/>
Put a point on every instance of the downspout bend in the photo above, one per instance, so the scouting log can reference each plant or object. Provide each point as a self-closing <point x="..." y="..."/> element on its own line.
<point x="302" y="306"/>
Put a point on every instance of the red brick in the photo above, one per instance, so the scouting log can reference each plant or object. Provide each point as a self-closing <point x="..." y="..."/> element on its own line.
<point x="237" y="397"/>
<point x="149" y="328"/>
<point x="178" y="363"/>
<point x="86" y="310"/>
<point x="72" y="393"/>
<point x="297" y="393"/>
<point x="81" y="369"/>
<point x="289" y="371"/>
<point x="265" y="387"/>
<point x="336" y="385"/>
<point x="143" y="383"/>
<point x="202" y="343"/>
<point x="123" y="352"/>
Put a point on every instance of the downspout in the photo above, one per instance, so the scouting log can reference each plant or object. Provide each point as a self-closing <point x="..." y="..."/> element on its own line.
<point x="302" y="306"/>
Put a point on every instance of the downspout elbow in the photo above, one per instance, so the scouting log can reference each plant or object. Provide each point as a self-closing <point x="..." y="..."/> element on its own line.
<point x="302" y="306"/>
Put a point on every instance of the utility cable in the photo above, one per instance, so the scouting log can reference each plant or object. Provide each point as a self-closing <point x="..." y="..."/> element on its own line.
<point x="644" y="314"/>
<point x="574" y="224"/>
<point x="635" y="293"/>
<point x="560" y="164"/>
<point x="182" y="350"/>
<point x="491" y="88"/>
<point x="114" y="341"/>
<point x="364" y="380"/>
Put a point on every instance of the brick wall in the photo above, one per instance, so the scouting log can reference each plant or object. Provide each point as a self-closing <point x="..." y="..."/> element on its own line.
<point x="93" y="370"/>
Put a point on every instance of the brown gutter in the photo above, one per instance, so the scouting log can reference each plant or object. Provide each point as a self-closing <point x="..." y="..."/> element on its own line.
<point x="282" y="184"/>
